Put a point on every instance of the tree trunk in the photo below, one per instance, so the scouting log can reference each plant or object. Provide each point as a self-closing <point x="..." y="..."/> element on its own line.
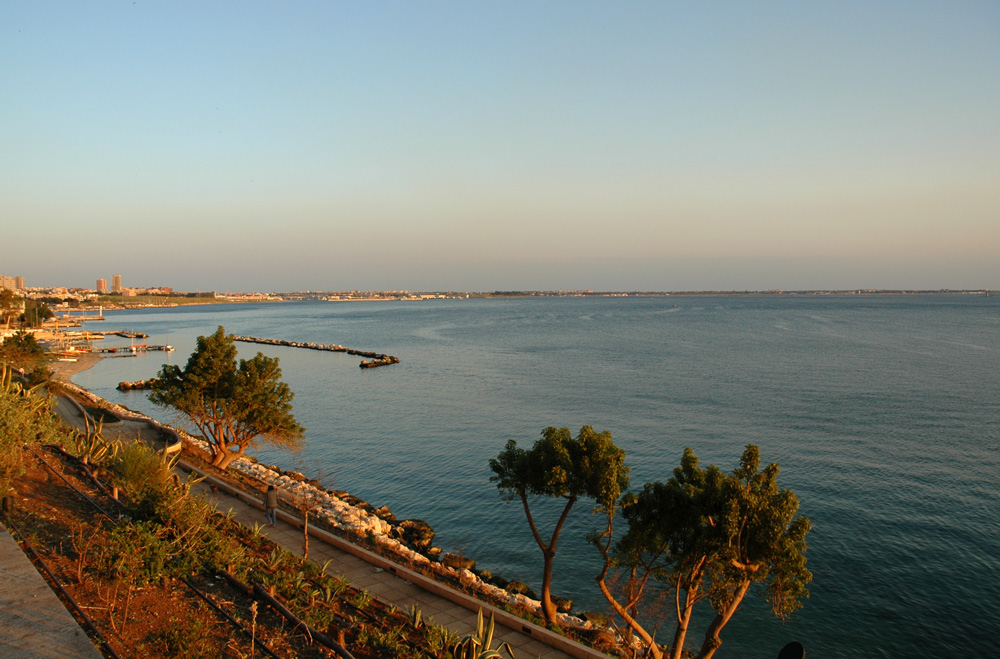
<point x="224" y="458"/>
<point x="712" y="640"/>
<point x="549" y="553"/>
<point x="548" y="606"/>
<point x="654" y="649"/>
<point x="683" y="622"/>
<point x="684" y="613"/>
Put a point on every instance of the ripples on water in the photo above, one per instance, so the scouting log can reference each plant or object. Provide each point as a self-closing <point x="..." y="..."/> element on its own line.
<point x="883" y="413"/>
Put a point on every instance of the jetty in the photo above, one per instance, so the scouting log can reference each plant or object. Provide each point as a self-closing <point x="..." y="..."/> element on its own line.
<point x="83" y="317"/>
<point x="127" y="334"/>
<point x="142" y="347"/>
<point x="376" y="358"/>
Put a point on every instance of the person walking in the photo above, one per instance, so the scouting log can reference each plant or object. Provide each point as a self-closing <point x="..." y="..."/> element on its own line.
<point x="271" y="504"/>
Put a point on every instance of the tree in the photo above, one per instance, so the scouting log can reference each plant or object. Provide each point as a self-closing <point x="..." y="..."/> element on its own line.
<point x="25" y="418"/>
<point x="765" y="543"/>
<point x="22" y="351"/>
<point x="233" y="405"/>
<point x="706" y="534"/>
<point x="7" y="301"/>
<point x="560" y="466"/>
<point x="35" y="313"/>
<point x="672" y="539"/>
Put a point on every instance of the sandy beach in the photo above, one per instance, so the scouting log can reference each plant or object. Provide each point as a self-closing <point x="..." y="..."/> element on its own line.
<point x="66" y="370"/>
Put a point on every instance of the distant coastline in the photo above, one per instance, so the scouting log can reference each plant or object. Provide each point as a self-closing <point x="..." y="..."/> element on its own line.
<point x="349" y="296"/>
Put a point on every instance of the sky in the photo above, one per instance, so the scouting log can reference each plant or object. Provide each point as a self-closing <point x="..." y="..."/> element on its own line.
<point x="654" y="146"/>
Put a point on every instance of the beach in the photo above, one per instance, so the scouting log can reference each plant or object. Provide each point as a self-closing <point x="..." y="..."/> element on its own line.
<point x="65" y="370"/>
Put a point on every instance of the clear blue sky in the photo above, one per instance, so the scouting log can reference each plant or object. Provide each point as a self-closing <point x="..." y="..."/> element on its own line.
<point x="506" y="145"/>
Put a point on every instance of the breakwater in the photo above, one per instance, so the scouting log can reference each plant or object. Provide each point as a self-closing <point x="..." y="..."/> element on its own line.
<point x="133" y="349"/>
<point x="140" y="385"/>
<point x="376" y="358"/>
<point x="128" y="334"/>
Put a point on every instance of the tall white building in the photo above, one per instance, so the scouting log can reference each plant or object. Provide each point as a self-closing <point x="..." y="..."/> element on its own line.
<point x="102" y="286"/>
<point x="116" y="283"/>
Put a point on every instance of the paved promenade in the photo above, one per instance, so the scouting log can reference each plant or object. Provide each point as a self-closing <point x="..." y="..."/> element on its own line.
<point x="439" y="604"/>
<point x="34" y="623"/>
<point x="382" y="583"/>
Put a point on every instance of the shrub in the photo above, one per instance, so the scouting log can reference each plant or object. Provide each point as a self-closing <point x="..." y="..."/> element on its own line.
<point x="25" y="416"/>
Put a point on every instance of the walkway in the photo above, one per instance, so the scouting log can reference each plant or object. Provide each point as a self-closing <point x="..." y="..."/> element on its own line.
<point x="35" y="623"/>
<point x="438" y="603"/>
<point x="382" y="583"/>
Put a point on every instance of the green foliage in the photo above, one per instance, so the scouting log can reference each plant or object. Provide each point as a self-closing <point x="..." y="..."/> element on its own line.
<point x="143" y="477"/>
<point x="338" y="585"/>
<point x="233" y="404"/>
<point x="92" y="447"/>
<point x="764" y="543"/>
<point x="184" y="638"/>
<point x="561" y="466"/>
<point x="388" y="642"/>
<point x="138" y="553"/>
<point x="319" y="617"/>
<point x="706" y="534"/>
<point x="7" y="299"/>
<point x="35" y="313"/>
<point x="362" y="599"/>
<point x="480" y="644"/>
<point x="25" y="417"/>
<point x="146" y="480"/>
<point x="22" y="351"/>
<point x="416" y="616"/>
<point x="440" y="638"/>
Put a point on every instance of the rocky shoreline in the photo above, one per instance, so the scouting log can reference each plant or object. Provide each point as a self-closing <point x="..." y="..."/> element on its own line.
<point x="409" y="540"/>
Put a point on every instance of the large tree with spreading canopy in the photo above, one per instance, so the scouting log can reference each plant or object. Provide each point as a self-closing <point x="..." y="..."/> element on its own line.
<point x="670" y="542"/>
<point x="565" y="467"/>
<point x="765" y="543"/>
<point x="234" y="404"/>
<point x="705" y="534"/>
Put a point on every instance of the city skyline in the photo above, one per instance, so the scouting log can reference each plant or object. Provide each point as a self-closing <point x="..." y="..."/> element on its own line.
<point x="644" y="146"/>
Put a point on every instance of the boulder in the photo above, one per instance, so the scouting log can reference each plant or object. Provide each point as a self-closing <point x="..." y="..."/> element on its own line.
<point x="385" y="514"/>
<point x="563" y="605"/>
<point x="417" y="533"/>
<point x="498" y="581"/>
<point x="595" y="618"/>
<point x="515" y="587"/>
<point x="458" y="562"/>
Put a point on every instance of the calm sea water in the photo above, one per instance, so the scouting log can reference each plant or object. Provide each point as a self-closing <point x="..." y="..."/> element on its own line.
<point x="883" y="412"/>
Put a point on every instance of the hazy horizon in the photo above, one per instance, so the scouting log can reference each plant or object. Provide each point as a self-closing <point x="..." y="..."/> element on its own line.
<point x="521" y="146"/>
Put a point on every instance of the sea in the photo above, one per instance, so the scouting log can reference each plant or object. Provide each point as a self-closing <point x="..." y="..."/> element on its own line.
<point x="882" y="411"/>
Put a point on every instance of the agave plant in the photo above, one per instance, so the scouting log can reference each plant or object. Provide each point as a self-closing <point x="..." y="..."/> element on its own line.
<point x="480" y="644"/>
<point x="416" y="616"/>
<point x="92" y="446"/>
<point x="39" y="404"/>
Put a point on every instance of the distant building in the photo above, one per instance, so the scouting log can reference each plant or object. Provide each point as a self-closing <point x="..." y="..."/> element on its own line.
<point x="102" y="286"/>
<point x="19" y="283"/>
<point x="116" y="283"/>
<point x="8" y="282"/>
